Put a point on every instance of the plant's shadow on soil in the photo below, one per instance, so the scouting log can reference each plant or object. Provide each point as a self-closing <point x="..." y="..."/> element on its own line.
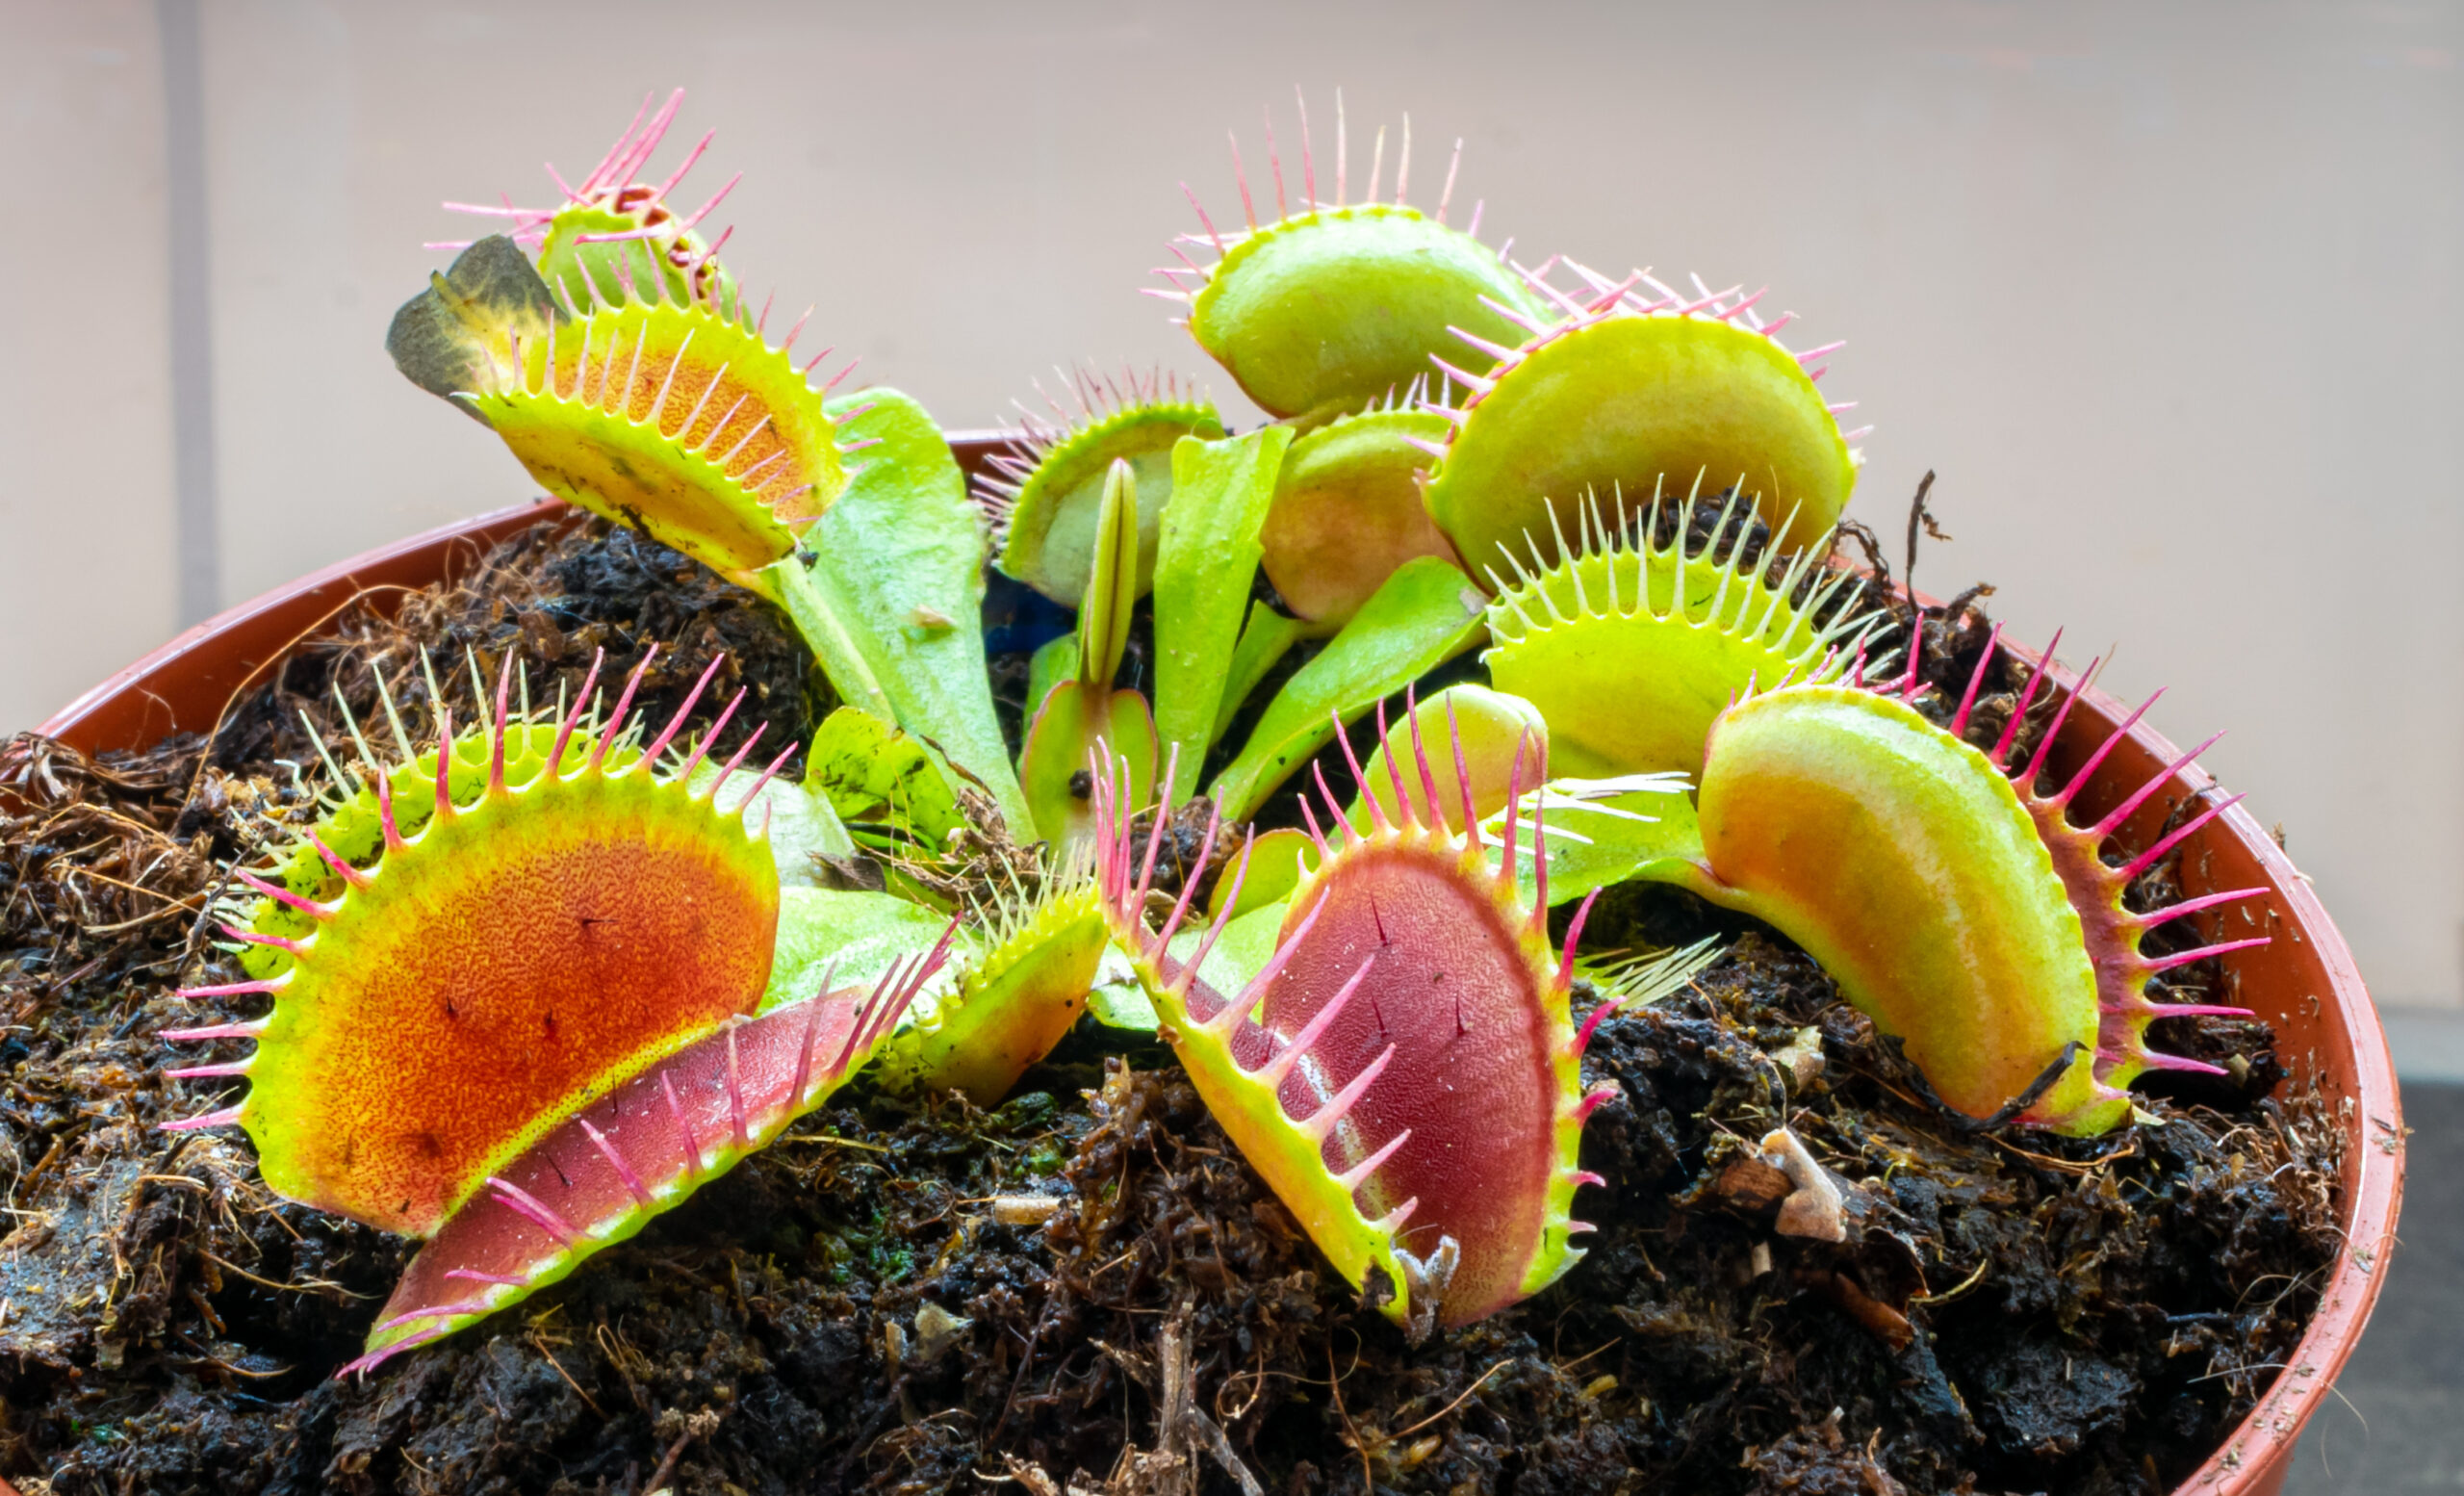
<point x="2013" y="1311"/>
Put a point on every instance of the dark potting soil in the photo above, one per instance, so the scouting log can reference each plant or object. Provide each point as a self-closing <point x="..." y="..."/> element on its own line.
<point x="846" y="1310"/>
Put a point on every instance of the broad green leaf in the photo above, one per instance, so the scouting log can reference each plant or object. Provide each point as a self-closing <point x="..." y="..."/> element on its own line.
<point x="898" y="562"/>
<point x="1426" y="614"/>
<point x="822" y="625"/>
<point x="1263" y="642"/>
<point x="1055" y="766"/>
<point x="1203" y="566"/>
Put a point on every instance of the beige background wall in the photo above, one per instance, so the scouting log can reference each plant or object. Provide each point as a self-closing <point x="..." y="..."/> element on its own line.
<point x="2167" y="294"/>
<point x="85" y="524"/>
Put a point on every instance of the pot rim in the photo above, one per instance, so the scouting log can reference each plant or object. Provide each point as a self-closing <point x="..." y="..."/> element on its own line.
<point x="127" y="710"/>
<point x="2253" y="1458"/>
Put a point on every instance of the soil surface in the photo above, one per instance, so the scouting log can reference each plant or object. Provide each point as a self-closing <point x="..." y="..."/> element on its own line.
<point x="847" y="1310"/>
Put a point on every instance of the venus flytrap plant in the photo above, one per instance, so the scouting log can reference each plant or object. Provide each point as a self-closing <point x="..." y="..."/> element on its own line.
<point x="899" y="560"/>
<point x="1630" y="980"/>
<point x="1043" y="495"/>
<point x="1336" y="304"/>
<point x="1265" y="639"/>
<point x="354" y="810"/>
<point x="1424" y="615"/>
<point x="1634" y="393"/>
<point x="893" y="791"/>
<point x="2110" y="929"/>
<point x="458" y="337"/>
<point x="612" y="232"/>
<point x="1331" y="516"/>
<point x="1273" y="862"/>
<point x="1501" y="741"/>
<point x="1394" y="606"/>
<point x="1605" y="831"/>
<point x="1321" y="315"/>
<point x="661" y="405"/>
<point x="1627" y="673"/>
<point x="672" y="417"/>
<point x="1600" y="831"/>
<point x="573" y="991"/>
<point x="850" y="937"/>
<point x="1348" y="510"/>
<point x="1952" y="900"/>
<point x="488" y="973"/>
<point x="1021" y="979"/>
<point x="1407" y="969"/>
<point x="1631" y="648"/>
<point x="533" y="985"/>
<point x="658" y="415"/>
<point x="1934" y="903"/>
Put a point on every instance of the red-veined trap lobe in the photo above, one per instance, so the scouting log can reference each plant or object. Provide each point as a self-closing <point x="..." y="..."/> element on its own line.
<point x="495" y="972"/>
<point x="567" y="941"/>
<point x="1402" y="1069"/>
<point x="1450" y="986"/>
<point x="600" y="1175"/>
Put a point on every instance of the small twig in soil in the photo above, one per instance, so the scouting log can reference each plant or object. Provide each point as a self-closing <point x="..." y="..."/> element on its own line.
<point x="87" y="873"/>
<point x="1026" y="1359"/>
<point x="1182" y="1427"/>
<point x="205" y="913"/>
<point x="1973" y="1278"/>
<point x="1458" y="1402"/>
<point x="43" y="1165"/>
<point x="2064" y="1165"/>
<point x="697" y="1425"/>
<point x="312" y="1286"/>
<point x="1591" y="1354"/>
<point x="1869" y="543"/>
<point x="588" y="1401"/>
<point x="164" y="913"/>
<point x="1916" y="517"/>
<point x="206" y="1358"/>
<point x="1352" y="1430"/>
<point x="823" y="1137"/>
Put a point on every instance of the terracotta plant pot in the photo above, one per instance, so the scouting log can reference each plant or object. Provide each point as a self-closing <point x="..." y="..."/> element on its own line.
<point x="2305" y="984"/>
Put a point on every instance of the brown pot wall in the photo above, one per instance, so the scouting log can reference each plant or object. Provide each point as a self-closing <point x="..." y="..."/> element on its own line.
<point x="2305" y="983"/>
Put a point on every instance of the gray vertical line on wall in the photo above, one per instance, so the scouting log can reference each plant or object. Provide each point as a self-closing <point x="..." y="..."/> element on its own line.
<point x="196" y="522"/>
